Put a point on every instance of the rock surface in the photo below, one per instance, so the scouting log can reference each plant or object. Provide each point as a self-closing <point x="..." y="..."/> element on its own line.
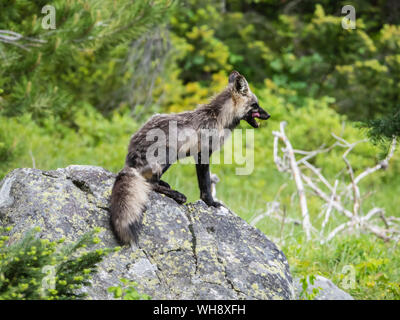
<point x="184" y="252"/>
<point x="327" y="289"/>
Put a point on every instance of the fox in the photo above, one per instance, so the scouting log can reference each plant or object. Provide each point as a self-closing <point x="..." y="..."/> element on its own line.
<point x="145" y="164"/>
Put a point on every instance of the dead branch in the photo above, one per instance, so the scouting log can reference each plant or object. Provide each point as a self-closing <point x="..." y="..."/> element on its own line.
<point x="357" y="221"/>
<point x="329" y="209"/>
<point x="296" y="175"/>
<point x="274" y="211"/>
<point x="312" y="154"/>
<point x="336" y="231"/>
<point x="336" y="205"/>
<point x="381" y="165"/>
<point x="317" y="172"/>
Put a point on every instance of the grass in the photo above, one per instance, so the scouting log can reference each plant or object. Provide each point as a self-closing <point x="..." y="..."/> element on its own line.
<point x="375" y="264"/>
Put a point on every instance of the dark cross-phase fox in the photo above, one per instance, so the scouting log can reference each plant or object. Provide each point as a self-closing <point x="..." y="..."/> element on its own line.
<point x="145" y="164"/>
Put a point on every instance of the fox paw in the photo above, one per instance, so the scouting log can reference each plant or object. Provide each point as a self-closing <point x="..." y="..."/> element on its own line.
<point x="179" y="197"/>
<point x="216" y="204"/>
<point x="212" y="203"/>
<point x="164" y="184"/>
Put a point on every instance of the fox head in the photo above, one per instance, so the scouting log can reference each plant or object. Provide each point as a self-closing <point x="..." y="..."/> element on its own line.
<point x="245" y="102"/>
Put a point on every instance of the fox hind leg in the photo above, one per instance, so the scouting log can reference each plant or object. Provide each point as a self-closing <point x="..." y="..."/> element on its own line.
<point x="177" y="196"/>
<point x="163" y="187"/>
<point x="164" y="184"/>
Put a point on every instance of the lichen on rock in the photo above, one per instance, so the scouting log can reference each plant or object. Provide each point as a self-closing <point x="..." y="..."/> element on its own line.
<point x="184" y="251"/>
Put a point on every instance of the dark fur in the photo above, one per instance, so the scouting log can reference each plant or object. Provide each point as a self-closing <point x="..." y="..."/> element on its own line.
<point x="225" y="111"/>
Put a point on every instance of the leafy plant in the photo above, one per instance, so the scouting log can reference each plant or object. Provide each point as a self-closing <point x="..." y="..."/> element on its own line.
<point x="305" y="283"/>
<point x="35" y="268"/>
<point x="127" y="290"/>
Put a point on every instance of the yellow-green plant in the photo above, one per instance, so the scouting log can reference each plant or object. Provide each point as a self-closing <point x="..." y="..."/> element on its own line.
<point x="127" y="290"/>
<point x="36" y="268"/>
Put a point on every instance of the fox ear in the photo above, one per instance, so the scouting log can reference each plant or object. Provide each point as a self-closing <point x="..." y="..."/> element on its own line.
<point x="241" y="85"/>
<point x="234" y="74"/>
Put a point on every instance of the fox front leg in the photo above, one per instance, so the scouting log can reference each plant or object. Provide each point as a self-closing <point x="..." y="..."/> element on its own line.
<point x="203" y="177"/>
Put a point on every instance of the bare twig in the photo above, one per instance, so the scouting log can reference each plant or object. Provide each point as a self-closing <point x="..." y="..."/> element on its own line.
<point x="273" y="211"/>
<point x="356" y="191"/>
<point x="329" y="209"/>
<point x="312" y="154"/>
<point x="381" y="165"/>
<point x="337" y="230"/>
<point x="357" y="221"/>
<point x="297" y="177"/>
<point x="318" y="174"/>
<point x="336" y="205"/>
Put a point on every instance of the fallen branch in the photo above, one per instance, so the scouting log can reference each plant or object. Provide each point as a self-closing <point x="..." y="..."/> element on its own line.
<point x="296" y="175"/>
<point x="381" y="165"/>
<point x="329" y="209"/>
<point x="273" y="211"/>
<point x="357" y="221"/>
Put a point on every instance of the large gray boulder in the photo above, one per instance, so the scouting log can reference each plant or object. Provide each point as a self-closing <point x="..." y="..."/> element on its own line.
<point x="184" y="252"/>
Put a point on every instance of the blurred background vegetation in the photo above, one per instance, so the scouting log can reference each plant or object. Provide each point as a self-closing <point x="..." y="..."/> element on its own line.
<point x="76" y="97"/>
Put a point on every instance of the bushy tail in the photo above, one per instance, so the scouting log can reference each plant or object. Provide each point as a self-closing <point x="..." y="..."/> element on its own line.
<point x="128" y="199"/>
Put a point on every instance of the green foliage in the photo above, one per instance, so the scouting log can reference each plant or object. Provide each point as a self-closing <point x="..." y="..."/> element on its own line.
<point x="385" y="128"/>
<point x="301" y="48"/>
<point x="127" y="291"/>
<point x="35" y="268"/>
<point x="10" y="149"/>
<point x="97" y="141"/>
<point x="82" y="62"/>
<point x="375" y="264"/>
<point x="305" y="283"/>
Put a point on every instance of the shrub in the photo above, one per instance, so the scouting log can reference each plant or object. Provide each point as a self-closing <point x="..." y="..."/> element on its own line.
<point x="34" y="268"/>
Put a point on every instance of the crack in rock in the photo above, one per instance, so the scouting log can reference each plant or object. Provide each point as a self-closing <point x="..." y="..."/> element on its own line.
<point x="194" y="240"/>
<point x="85" y="188"/>
<point x="81" y="185"/>
<point x="47" y="174"/>
<point x="194" y="244"/>
<point x="229" y="281"/>
<point x="159" y="272"/>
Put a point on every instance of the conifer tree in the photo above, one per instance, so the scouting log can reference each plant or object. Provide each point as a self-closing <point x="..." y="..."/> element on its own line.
<point x="52" y="72"/>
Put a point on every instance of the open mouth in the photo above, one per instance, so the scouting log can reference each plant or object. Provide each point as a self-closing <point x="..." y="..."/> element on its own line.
<point x="251" y="118"/>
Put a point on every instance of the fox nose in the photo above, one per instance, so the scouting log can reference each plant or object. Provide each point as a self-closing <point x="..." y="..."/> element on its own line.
<point x="264" y="114"/>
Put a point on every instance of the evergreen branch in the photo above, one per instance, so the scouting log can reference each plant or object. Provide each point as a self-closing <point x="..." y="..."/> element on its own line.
<point x="15" y="38"/>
